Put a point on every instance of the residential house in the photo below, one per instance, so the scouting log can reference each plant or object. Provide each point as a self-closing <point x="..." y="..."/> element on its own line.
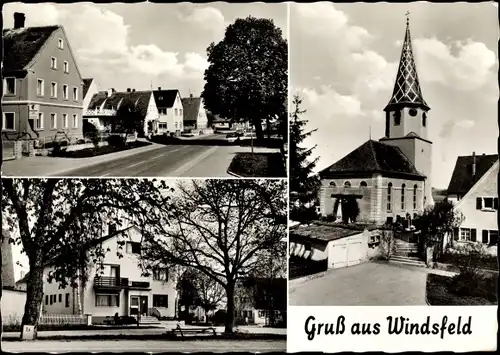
<point x="388" y="179"/>
<point x="171" y="112"/>
<point x="195" y="116"/>
<point x="104" y="106"/>
<point x="13" y="297"/>
<point x="117" y="285"/>
<point x="43" y="85"/>
<point x="473" y="189"/>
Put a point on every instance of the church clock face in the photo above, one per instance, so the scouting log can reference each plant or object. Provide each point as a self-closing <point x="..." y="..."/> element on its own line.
<point x="413" y="112"/>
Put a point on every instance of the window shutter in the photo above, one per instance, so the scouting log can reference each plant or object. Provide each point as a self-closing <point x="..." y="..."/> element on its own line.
<point x="485" y="236"/>
<point x="456" y="231"/>
<point x="473" y="235"/>
<point x="495" y="203"/>
<point x="479" y="203"/>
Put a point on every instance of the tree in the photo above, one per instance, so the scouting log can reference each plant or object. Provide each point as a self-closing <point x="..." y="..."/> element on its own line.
<point x="56" y="219"/>
<point x="188" y="293"/>
<point x="91" y="132"/>
<point x="387" y="244"/>
<point x="210" y="293"/>
<point x="128" y="118"/>
<point x="218" y="227"/>
<point x="247" y="78"/>
<point x="304" y="183"/>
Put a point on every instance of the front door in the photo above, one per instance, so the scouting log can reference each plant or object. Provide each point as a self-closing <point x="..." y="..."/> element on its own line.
<point x="144" y="305"/>
<point x="134" y="305"/>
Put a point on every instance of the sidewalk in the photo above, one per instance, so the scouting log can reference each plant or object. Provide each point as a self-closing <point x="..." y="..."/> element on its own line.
<point x="49" y="166"/>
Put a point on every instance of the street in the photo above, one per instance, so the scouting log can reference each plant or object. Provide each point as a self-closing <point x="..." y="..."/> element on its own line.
<point x="218" y="346"/>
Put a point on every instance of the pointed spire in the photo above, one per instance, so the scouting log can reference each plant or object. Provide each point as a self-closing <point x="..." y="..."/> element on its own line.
<point x="407" y="87"/>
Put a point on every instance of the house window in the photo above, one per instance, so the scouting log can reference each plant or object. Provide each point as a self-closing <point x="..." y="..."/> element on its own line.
<point x="60" y="298"/>
<point x="493" y="237"/>
<point x="53" y="121"/>
<point x="160" y="301"/>
<point x="8" y="121"/>
<point x="347" y="184"/>
<point x="176" y="112"/>
<point x="66" y="67"/>
<point x="363" y="184"/>
<point x="105" y="300"/>
<point x="53" y="62"/>
<point x="415" y="197"/>
<point x="75" y="94"/>
<point x="133" y="247"/>
<point x="180" y="112"/>
<point x="332" y="184"/>
<point x="397" y="118"/>
<point x="65" y="120"/>
<point x="112" y="228"/>
<point x="40" y="87"/>
<point x="53" y="89"/>
<point x="65" y="92"/>
<point x="307" y="247"/>
<point x="262" y="314"/>
<point x="66" y="300"/>
<point x="162" y="111"/>
<point x="467" y="235"/>
<point x="46" y="299"/>
<point x="424" y="119"/>
<point x="403" y="187"/>
<point x="60" y="44"/>
<point x="389" y="196"/>
<point x="39" y="121"/>
<point x="176" y="125"/>
<point x="10" y="86"/>
<point x="75" y="121"/>
<point x="160" y="274"/>
<point x="487" y="203"/>
<point x="51" y="299"/>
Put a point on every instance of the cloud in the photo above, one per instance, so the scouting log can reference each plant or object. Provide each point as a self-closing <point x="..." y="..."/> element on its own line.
<point x="207" y="18"/>
<point x="330" y="105"/>
<point x="462" y="65"/>
<point x="449" y="127"/>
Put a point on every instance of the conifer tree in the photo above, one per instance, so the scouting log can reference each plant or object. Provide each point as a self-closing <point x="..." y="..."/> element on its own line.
<point x="304" y="183"/>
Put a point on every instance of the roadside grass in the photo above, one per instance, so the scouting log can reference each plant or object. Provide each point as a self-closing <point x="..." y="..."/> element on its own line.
<point x="93" y="152"/>
<point x="257" y="165"/>
<point x="461" y="290"/>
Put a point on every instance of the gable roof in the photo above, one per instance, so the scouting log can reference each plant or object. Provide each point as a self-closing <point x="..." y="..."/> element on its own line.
<point x="86" y="84"/>
<point x="462" y="179"/>
<point x="140" y="100"/>
<point x="22" y="45"/>
<point x="373" y="157"/>
<point x="191" y="107"/>
<point x="165" y="98"/>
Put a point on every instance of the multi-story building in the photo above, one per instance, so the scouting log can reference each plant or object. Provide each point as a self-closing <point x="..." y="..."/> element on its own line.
<point x="473" y="189"/>
<point x="171" y="112"/>
<point x="195" y="116"/>
<point x="42" y="83"/>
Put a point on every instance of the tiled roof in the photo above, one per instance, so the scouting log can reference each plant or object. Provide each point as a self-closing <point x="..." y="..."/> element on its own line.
<point x="462" y="179"/>
<point x="191" y="107"/>
<point x="373" y="157"/>
<point x="407" y="87"/>
<point x="323" y="233"/>
<point x="140" y="99"/>
<point x="21" y="45"/>
<point x="86" y="85"/>
<point x="165" y="98"/>
<point x="97" y="100"/>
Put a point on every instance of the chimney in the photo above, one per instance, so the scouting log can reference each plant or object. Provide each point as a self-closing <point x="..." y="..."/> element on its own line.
<point x="473" y="164"/>
<point x="128" y="89"/>
<point x="133" y="90"/>
<point x="110" y="92"/>
<point x="159" y="88"/>
<point x="19" y="18"/>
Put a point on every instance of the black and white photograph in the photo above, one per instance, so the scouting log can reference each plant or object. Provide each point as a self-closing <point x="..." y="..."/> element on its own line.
<point x="393" y="154"/>
<point x="142" y="90"/>
<point x="144" y="265"/>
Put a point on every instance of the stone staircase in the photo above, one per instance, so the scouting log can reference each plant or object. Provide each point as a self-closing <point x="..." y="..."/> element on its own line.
<point x="406" y="253"/>
<point x="149" y="320"/>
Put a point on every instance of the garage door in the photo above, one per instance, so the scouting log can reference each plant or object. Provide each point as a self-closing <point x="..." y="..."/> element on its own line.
<point x="343" y="255"/>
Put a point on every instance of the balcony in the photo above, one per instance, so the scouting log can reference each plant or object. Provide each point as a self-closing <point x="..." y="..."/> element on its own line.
<point x="108" y="282"/>
<point x="139" y="285"/>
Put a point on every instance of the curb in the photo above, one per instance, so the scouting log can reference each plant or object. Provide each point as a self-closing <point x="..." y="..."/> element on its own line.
<point x="234" y="174"/>
<point x="426" y="300"/>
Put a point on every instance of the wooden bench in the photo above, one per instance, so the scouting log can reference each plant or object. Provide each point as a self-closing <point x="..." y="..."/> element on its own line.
<point x="200" y="330"/>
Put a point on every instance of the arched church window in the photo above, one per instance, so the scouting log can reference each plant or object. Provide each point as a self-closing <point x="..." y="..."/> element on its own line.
<point x="413" y="112"/>
<point x="332" y="184"/>
<point x="415" y="197"/>
<point x="389" y="196"/>
<point x="424" y="119"/>
<point x="397" y="118"/>
<point x="363" y="184"/>
<point x="403" y="188"/>
<point x="347" y="184"/>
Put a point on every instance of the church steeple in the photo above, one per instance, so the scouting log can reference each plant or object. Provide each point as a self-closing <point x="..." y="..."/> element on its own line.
<point x="407" y="92"/>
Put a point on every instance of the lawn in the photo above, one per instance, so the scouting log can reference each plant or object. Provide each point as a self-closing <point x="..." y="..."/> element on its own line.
<point x="93" y="152"/>
<point x="257" y="165"/>
<point x="460" y="291"/>
<point x="299" y="267"/>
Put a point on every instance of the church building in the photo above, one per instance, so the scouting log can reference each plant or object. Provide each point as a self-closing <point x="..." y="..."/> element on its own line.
<point x="387" y="179"/>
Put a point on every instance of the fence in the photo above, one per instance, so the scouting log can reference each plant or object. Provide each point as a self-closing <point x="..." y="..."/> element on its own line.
<point x="60" y="319"/>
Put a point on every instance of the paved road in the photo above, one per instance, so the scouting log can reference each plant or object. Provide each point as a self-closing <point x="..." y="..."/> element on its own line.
<point x="146" y="346"/>
<point x="369" y="284"/>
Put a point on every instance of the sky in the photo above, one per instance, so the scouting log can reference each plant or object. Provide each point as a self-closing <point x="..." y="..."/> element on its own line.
<point x="144" y="45"/>
<point x="343" y="64"/>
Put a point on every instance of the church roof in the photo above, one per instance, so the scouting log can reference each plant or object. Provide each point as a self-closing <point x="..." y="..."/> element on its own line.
<point x="373" y="157"/>
<point x="462" y="178"/>
<point x="407" y="87"/>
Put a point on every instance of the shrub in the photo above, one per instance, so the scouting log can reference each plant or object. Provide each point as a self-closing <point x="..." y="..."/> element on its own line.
<point x="303" y="214"/>
<point x="116" y="140"/>
<point x="91" y="132"/>
<point x="469" y="259"/>
<point x="387" y="244"/>
<point x="475" y="286"/>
